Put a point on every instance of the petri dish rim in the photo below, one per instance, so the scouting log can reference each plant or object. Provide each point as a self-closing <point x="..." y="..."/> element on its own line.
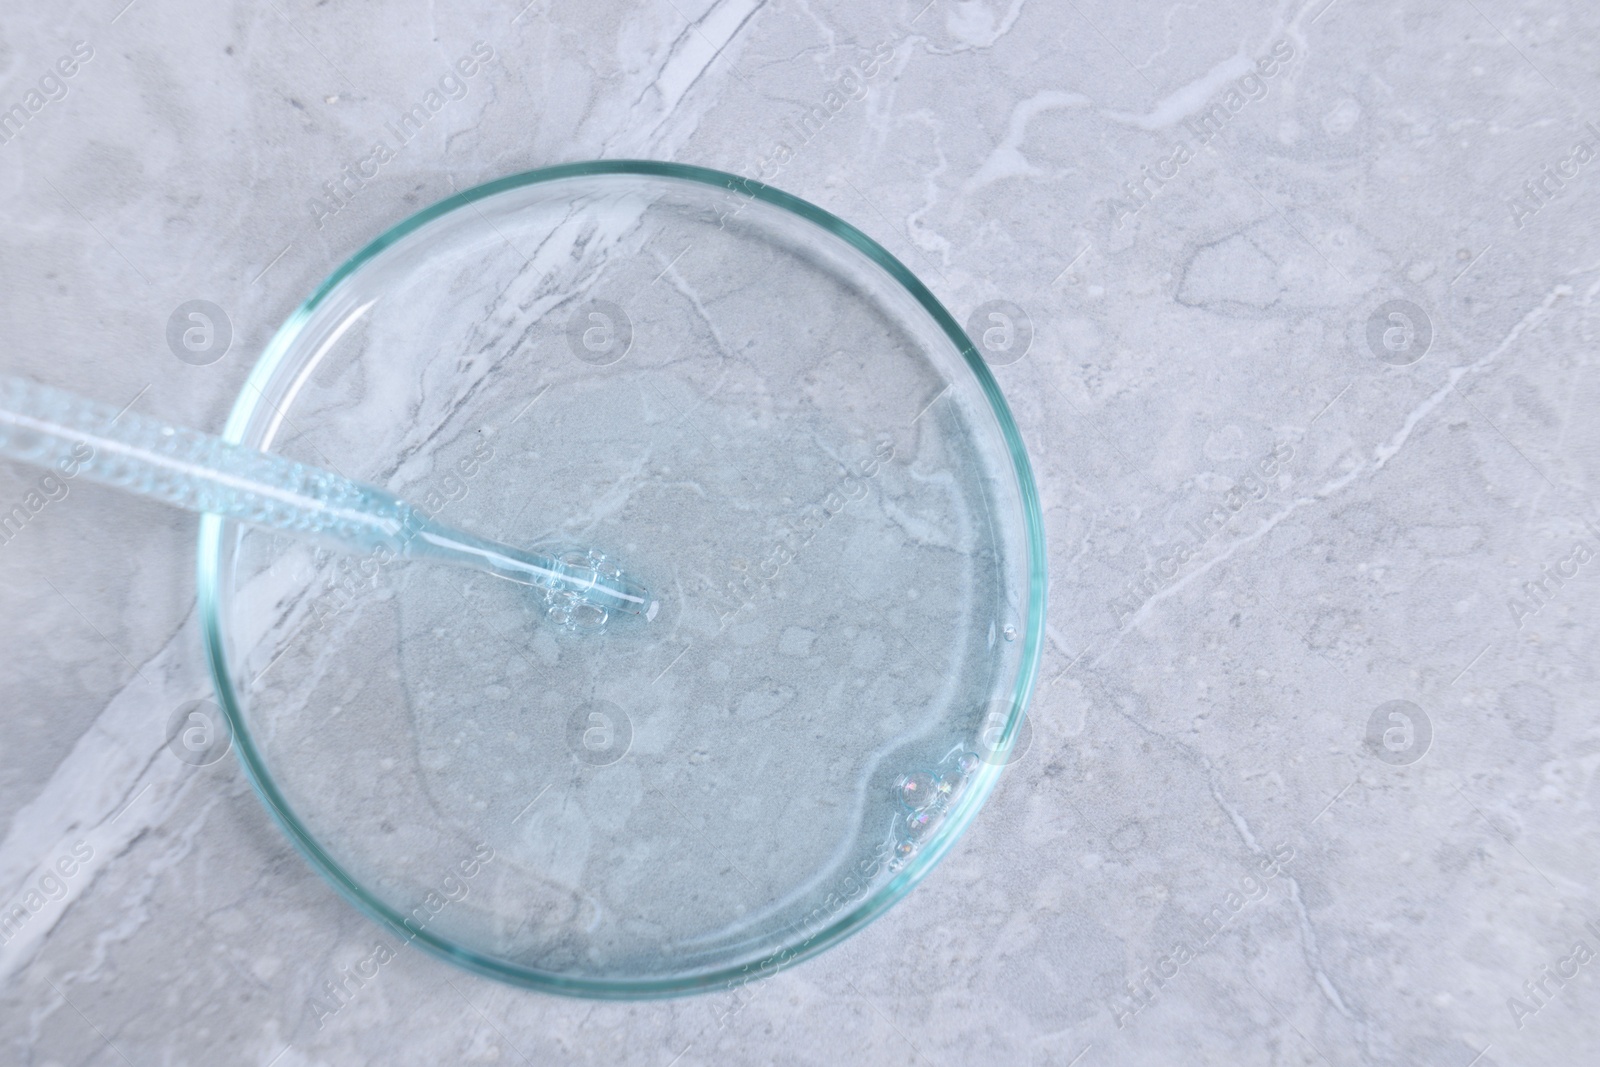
<point x="209" y="577"/>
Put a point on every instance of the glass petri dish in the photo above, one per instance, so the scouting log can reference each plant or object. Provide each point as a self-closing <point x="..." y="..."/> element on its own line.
<point x="753" y="409"/>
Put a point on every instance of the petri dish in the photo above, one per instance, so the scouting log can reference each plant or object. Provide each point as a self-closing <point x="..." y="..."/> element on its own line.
<point x="750" y="407"/>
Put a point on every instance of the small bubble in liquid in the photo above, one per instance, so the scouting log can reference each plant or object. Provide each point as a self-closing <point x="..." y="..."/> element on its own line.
<point x="917" y="790"/>
<point x="1009" y="633"/>
<point x="919" y="822"/>
<point x="588" y="618"/>
<point x="967" y="762"/>
<point x="576" y="615"/>
<point x="903" y="851"/>
<point x="951" y="786"/>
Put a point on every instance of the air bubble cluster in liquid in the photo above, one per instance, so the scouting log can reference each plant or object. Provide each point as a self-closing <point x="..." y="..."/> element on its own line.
<point x="927" y="797"/>
<point x="574" y="612"/>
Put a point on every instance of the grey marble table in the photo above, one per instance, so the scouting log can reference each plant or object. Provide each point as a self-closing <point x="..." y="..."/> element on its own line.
<point x="1303" y="313"/>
